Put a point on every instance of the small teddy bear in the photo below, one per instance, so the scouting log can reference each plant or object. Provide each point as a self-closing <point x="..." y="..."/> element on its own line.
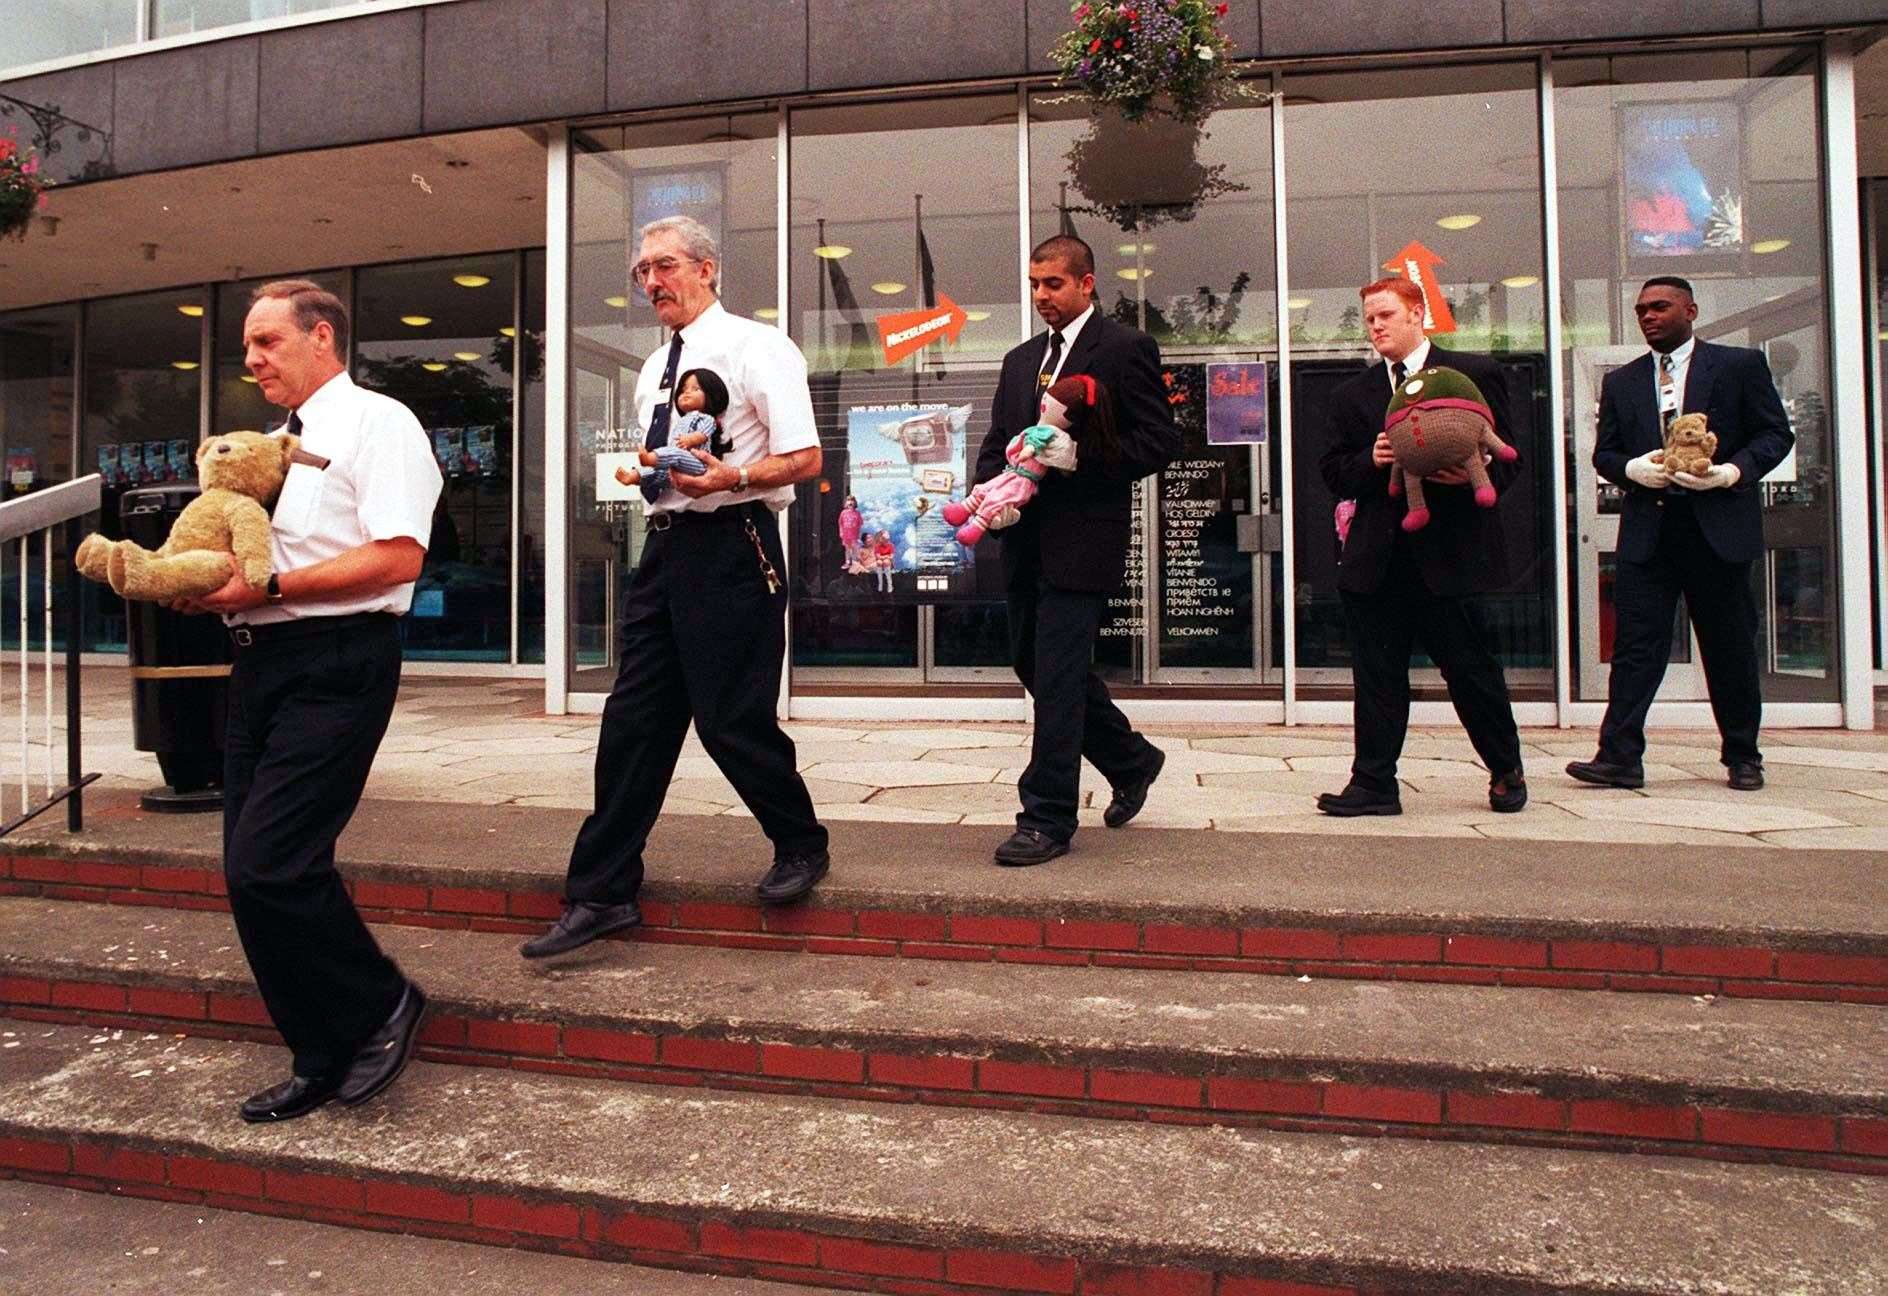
<point x="1688" y="446"/>
<point x="242" y="473"/>
<point x="1438" y="419"/>
<point x="1075" y="411"/>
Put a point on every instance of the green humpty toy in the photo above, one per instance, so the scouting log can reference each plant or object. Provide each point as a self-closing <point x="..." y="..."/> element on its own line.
<point x="1437" y="420"/>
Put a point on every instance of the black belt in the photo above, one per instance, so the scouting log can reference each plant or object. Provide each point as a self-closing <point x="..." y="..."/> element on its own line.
<point x="275" y="632"/>
<point x="662" y="521"/>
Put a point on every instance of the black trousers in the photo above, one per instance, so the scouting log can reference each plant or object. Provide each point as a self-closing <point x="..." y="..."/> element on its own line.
<point x="1385" y="626"/>
<point x="701" y="638"/>
<point x="1724" y="612"/>
<point x="308" y="706"/>
<point x="1052" y="648"/>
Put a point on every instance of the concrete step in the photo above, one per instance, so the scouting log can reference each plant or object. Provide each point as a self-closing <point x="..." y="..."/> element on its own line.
<point x="1802" y="1084"/>
<point x="1773" y="922"/>
<point x="849" y="1194"/>
<point x="61" y="1240"/>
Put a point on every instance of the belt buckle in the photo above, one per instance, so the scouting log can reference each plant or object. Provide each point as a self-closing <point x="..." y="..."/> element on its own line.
<point x="243" y="637"/>
<point x="659" y="521"/>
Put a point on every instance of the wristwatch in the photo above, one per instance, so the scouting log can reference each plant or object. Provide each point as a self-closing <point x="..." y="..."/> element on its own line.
<point x="273" y="590"/>
<point x="741" y="485"/>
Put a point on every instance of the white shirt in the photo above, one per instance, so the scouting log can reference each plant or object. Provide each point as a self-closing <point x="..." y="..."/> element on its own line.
<point x="1070" y="331"/>
<point x="1681" y="366"/>
<point x="381" y="483"/>
<point x="770" y="410"/>
<point x="1412" y="362"/>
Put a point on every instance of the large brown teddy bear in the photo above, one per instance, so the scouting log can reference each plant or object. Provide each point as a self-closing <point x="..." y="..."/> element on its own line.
<point x="242" y="473"/>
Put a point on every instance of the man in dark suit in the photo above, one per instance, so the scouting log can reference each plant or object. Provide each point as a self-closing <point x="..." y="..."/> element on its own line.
<point x="1400" y="587"/>
<point x="1681" y="533"/>
<point x="1067" y="551"/>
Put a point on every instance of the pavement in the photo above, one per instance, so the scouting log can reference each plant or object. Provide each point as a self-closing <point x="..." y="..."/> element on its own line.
<point x="486" y="742"/>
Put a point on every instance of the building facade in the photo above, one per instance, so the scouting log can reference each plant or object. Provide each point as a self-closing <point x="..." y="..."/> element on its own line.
<point x="467" y="174"/>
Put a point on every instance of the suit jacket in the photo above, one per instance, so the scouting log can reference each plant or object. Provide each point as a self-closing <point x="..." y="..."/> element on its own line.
<point x="1076" y="529"/>
<point x="1731" y="387"/>
<point x="1462" y="550"/>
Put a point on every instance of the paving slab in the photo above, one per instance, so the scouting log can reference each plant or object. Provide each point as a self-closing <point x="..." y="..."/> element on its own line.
<point x="59" y="1240"/>
<point x="1402" y="1214"/>
<point x="1828" y="1058"/>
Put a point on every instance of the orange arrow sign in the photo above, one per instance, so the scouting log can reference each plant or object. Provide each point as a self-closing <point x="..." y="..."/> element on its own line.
<point x="910" y="331"/>
<point x="1418" y="265"/>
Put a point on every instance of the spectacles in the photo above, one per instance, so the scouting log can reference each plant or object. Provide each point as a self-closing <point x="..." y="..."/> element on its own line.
<point x="665" y="266"/>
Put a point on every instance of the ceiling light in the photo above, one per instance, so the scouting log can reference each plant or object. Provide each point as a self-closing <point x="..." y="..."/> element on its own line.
<point x="467" y="356"/>
<point x="185" y="365"/>
<point x="1130" y="249"/>
<point x="1460" y="221"/>
<point x="507" y="331"/>
<point x="617" y="302"/>
<point x="1131" y="274"/>
<point x="471" y="280"/>
<point x="767" y="312"/>
<point x="1297" y="303"/>
<point x="433" y="366"/>
<point x="416" y="321"/>
<point x="250" y="379"/>
<point x="832" y="251"/>
<point x="191" y="309"/>
<point x="1764" y="247"/>
<point x="976" y="317"/>
<point x="886" y="287"/>
<point x="1520" y="281"/>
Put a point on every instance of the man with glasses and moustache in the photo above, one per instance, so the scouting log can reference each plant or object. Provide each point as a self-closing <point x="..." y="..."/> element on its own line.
<point x="703" y="629"/>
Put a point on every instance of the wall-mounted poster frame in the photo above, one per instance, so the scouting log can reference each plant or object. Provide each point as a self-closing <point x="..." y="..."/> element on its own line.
<point x="1684" y="183"/>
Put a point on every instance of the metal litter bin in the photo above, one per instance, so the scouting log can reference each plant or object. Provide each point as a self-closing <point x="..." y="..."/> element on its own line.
<point x="179" y="671"/>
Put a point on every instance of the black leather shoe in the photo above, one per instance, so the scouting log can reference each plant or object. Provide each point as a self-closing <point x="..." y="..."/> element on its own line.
<point x="1746" y="776"/>
<point x="1355" y="801"/>
<point x="792" y="876"/>
<point x="582" y="923"/>
<point x="1128" y="800"/>
<point x="1026" y="846"/>
<point x="387" y="1051"/>
<point x="1605" y="773"/>
<point x="1507" y="792"/>
<point x="295" y="1096"/>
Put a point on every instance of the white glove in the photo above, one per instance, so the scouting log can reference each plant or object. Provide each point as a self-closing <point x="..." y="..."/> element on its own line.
<point x="1059" y="453"/>
<point x="1648" y="471"/>
<point x="1720" y="477"/>
<point x="1006" y="516"/>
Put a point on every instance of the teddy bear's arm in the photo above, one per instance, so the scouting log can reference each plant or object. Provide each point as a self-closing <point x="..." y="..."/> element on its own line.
<point x="249" y="539"/>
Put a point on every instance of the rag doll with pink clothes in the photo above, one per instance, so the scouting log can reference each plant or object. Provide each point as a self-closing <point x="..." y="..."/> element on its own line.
<point x="1076" y="412"/>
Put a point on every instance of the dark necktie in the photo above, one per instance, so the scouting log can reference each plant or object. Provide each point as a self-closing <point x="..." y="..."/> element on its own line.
<point x="659" y="421"/>
<point x="1047" y="376"/>
<point x="294" y="423"/>
<point x="1398" y="372"/>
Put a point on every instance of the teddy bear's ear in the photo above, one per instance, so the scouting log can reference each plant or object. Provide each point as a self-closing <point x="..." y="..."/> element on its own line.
<point x="290" y="444"/>
<point x="203" y="447"/>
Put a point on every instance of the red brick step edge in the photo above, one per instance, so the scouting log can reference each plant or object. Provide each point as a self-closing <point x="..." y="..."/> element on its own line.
<point x="1754" y="969"/>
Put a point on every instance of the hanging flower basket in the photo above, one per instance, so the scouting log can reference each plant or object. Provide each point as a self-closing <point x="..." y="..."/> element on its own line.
<point x="22" y="192"/>
<point x="1137" y="174"/>
<point x="1163" y="57"/>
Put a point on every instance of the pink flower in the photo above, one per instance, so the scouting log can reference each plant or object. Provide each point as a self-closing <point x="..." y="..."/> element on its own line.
<point x="30" y="166"/>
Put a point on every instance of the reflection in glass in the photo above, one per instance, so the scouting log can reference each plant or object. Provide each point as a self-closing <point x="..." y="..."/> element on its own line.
<point x="38" y="32"/>
<point x="36" y="389"/>
<point x="455" y="373"/>
<point x="722" y="171"/>
<point x="175" y="17"/>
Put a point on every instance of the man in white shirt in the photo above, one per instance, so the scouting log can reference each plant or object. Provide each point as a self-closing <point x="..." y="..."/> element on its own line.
<point x="317" y="667"/>
<point x="703" y="629"/>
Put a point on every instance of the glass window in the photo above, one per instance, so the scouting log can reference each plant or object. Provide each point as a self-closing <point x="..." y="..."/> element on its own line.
<point x="37" y="32"/>
<point x="142" y="395"/>
<point x="1431" y="172"/>
<point x="874" y="239"/>
<point x="236" y="402"/>
<point x="176" y="17"/>
<point x="431" y="335"/>
<point x="1704" y="165"/>
<point x="1181" y="222"/>
<point x="530" y="467"/>
<point x="723" y="171"/>
<point x="36" y="384"/>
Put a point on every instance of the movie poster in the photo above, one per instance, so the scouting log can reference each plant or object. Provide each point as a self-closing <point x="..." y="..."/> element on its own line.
<point x="906" y="462"/>
<point x="1683" y="185"/>
<point x="449" y="450"/>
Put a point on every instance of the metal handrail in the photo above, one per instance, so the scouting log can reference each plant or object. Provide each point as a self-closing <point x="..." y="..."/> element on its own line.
<point x="20" y="520"/>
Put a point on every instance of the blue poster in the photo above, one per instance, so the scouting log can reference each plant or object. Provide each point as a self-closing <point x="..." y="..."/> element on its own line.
<point x="905" y="463"/>
<point x="1236" y="404"/>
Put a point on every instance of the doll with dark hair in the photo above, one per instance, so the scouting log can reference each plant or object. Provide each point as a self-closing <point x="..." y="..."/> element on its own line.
<point x="1077" y="413"/>
<point x="701" y="398"/>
